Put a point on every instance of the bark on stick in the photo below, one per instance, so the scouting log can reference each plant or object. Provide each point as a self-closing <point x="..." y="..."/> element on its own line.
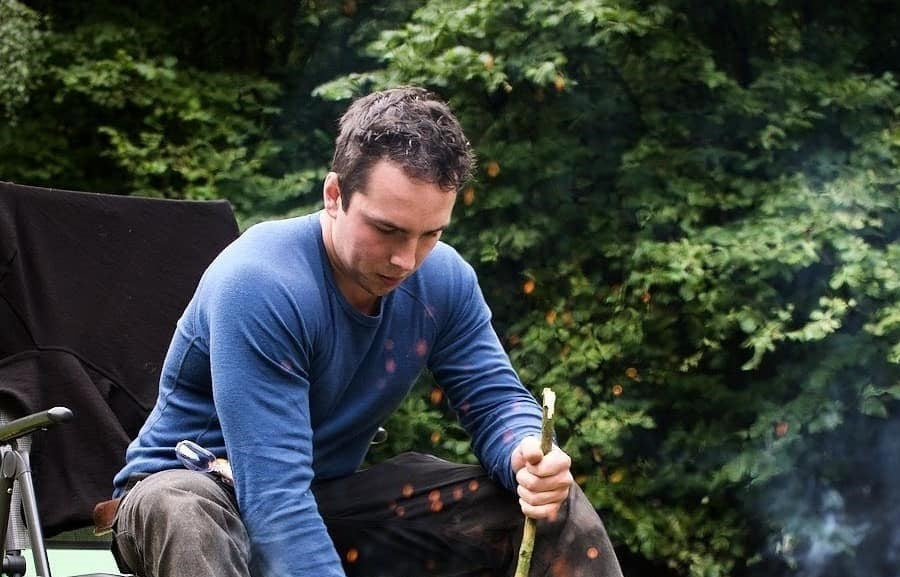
<point x="527" y="548"/>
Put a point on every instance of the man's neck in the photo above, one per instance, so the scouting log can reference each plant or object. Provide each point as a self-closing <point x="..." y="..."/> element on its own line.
<point x="359" y="298"/>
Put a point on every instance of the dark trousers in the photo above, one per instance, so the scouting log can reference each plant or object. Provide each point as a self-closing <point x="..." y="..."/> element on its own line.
<point x="413" y="515"/>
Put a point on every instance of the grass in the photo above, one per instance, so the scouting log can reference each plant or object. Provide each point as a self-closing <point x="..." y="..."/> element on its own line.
<point x="72" y="562"/>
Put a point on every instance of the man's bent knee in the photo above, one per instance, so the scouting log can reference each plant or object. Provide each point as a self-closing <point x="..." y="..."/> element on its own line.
<point x="182" y="516"/>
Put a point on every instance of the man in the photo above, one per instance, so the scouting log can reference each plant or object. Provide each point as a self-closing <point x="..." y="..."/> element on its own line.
<point x="302" y="337"/>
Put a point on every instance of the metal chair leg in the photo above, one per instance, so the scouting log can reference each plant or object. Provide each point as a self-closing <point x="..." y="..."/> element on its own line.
<point x="15" y="467"/>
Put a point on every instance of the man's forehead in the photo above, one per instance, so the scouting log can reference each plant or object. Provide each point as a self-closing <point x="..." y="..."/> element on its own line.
<point x="390" y="196"/>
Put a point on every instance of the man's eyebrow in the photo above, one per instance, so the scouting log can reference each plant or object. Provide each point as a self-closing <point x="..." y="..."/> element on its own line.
<point x="388" y="224"/>
<point x="438" y="229"/>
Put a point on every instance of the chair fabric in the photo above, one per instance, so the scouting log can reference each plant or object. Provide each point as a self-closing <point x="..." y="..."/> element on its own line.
<point x="91" y="286"/>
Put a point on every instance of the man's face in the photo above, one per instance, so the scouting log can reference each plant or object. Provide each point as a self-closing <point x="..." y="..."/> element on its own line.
<point x="385" y="234"/>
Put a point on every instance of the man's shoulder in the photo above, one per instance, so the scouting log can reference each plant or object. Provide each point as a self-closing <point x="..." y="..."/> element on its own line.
<point x="445" y="277"/>
<point x="445" y="266"/>
<point x="268" y="255"/>
<point x="447" y="259"/>
<point x="286" y="238"/>
<point x="296" y="229"/>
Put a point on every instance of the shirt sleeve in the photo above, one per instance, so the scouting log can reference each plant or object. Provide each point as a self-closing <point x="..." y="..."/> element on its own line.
<point x="475" y="372"/>
<point x="259" y="359"/>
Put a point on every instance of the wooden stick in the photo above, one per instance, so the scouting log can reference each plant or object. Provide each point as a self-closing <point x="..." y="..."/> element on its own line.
<point x="527" y="547"/>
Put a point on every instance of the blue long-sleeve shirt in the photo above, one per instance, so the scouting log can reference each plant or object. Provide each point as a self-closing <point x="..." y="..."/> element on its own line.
<point x="271" y="366"/>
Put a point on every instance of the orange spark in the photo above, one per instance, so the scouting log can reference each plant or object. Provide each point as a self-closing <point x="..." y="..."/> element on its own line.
<point x="781" y="428"/>
<point x="560" y="568"/>
<point x="559" y="83"/>
<point x="469" y="196"/>
<point x="407" y="490"/>
<point x="352" y="555"/>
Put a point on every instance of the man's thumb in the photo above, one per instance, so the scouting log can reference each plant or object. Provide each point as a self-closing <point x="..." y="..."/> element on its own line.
<point x="531" y="450"/>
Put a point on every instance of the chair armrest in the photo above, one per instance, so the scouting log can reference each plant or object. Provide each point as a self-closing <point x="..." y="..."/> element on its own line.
<point x="33" y="422"/>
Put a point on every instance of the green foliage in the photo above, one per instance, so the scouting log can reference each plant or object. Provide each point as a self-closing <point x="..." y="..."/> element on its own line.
<point x="123" y="108"/>
<point x="21" y="55"/>
<point x="191" y="133"/>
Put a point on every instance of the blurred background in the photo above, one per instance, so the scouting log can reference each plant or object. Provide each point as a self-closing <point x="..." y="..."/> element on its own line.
<point x="685" y="219"/>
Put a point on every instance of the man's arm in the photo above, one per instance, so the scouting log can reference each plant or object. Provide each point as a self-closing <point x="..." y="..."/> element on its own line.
<point x="261" y="392"/>
<point x="475" y="372"/>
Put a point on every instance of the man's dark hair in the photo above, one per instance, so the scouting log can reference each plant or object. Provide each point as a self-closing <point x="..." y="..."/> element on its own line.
<point x="409" y="127"/>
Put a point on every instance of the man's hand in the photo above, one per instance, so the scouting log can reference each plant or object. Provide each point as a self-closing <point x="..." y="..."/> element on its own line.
<point x="544" y="480"/>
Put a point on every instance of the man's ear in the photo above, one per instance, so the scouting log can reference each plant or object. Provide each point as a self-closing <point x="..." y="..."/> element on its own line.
<point x="331" y="194"/>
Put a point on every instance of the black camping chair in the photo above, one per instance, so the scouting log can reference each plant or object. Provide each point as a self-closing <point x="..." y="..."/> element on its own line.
<point x="91" y="286"/>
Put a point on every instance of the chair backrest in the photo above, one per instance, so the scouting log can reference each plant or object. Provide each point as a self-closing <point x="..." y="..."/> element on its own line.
<point x="91" y="286"/>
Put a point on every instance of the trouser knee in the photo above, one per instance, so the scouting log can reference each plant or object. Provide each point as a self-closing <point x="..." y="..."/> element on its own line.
<point x="576" y="543"/>
<point x="179" y="515"/>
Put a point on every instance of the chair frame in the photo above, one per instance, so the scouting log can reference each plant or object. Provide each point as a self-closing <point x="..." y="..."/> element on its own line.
<point x="15" y="467"/>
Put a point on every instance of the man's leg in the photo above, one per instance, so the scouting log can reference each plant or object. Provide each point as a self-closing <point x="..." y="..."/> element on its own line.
<point x="181" y="522"/>
<point x="576" y="544"/>
<point x="416" y="515"/>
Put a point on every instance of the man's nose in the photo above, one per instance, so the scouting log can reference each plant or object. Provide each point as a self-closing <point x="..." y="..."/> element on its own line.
<point x="404" y="255"/>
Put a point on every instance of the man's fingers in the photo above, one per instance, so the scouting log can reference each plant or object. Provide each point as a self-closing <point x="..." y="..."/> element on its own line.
<point x="541" y="497"/>
<point x="545" y="501"/>
<point x="537" y="499"/>
<point x="549" y="511"/>
<point x="543" y="480"/>
<point x="533" y="484"/>
<point x="530" y="448"/>
<point x="547" y="465"/>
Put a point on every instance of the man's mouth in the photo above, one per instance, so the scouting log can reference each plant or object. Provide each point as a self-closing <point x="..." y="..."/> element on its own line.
<point x="391" y="280"/>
